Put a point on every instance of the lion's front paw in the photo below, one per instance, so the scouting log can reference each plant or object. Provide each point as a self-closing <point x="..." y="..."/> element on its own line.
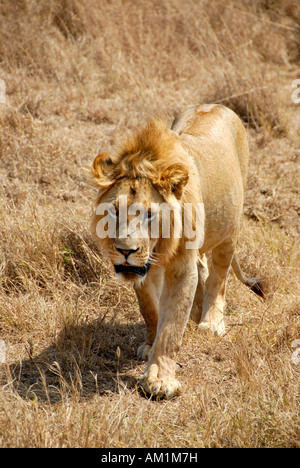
<point x="159" y="387"/>
<point x="144" y="351"/>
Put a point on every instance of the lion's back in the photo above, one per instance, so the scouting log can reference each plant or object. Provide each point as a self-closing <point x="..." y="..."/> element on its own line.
<point x="215" y="130"/>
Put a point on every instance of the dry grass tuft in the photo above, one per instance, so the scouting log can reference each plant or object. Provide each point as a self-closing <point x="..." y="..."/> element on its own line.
<point x="78" y="76"/>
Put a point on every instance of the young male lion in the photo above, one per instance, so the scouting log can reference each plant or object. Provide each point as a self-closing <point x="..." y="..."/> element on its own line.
<point x="195" y="173"/>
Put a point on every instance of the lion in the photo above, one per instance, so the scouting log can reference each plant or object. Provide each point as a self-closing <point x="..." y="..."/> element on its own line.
<point x="200" y="161"/>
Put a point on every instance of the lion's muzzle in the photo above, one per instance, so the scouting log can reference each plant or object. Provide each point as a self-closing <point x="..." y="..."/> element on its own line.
<point x="141" y="271"/>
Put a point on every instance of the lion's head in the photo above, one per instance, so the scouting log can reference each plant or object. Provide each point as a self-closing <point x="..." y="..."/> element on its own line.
<point x="133" y="187"/>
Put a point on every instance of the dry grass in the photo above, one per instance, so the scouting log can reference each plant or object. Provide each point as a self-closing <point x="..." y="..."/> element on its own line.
<point x="79" y="75"/>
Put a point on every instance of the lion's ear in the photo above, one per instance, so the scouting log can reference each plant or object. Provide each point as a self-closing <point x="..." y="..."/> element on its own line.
<point x="103" y="170"/>
<point x="173" y="179"/>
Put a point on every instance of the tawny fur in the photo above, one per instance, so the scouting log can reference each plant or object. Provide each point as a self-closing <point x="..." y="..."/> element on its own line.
<point x="203" y="158"/>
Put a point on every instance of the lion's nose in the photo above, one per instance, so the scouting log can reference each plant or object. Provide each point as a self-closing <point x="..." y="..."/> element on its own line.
<point x="127" y="252"/>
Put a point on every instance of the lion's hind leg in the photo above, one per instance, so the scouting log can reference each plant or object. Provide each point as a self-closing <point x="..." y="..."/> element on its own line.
<point x="199" y="295"/>
<point x="214" y="298"/>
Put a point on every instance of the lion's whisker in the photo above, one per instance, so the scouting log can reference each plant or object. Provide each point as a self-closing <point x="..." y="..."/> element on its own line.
<point x="153" y="261"/>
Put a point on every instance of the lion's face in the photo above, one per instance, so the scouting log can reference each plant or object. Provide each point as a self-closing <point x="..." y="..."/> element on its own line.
<point x="127" y="221"/>
<point x="123" y="226"/>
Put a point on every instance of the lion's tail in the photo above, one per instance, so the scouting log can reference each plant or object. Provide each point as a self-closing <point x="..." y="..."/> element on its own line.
<point x="254" y="284"/>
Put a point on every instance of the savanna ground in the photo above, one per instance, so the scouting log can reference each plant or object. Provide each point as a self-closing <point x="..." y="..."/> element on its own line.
<point x="79" y="75"/>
